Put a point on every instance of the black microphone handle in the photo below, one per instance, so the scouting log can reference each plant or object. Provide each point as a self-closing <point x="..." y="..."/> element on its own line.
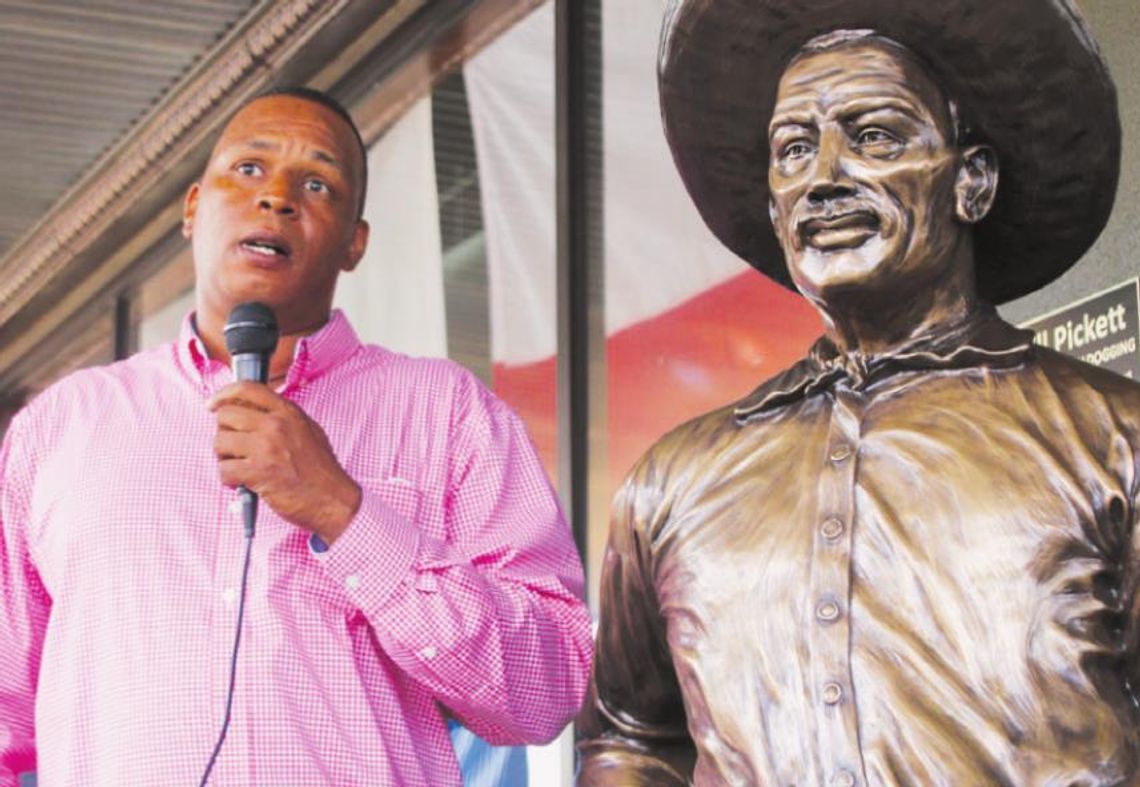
<point x="255" y="368"/>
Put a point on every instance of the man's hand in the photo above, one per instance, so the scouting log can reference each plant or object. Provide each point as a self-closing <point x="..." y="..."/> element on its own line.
<point x="268" y="444"/>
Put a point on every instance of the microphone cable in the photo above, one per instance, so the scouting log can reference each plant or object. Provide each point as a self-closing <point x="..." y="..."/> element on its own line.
<point x="250" y="513"/>
<point x="251" y="335"/>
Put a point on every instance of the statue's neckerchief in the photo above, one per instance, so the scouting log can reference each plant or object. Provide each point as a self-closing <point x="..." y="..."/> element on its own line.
<point x="980" y="339"/>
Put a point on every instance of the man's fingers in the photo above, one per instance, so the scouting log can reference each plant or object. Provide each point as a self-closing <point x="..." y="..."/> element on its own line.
<point x="230" y="444"/>
<point x="234" y="471"/>
<point x="253" y="396"/>
<point x="238" y="419"/>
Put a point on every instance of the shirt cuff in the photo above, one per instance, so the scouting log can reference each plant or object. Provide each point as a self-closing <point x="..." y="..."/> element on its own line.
<point x="317" y="546"/>
<point x="374" y="554"/>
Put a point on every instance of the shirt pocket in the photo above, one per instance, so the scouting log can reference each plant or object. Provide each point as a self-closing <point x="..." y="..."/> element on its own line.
<point x="399" y="495"/>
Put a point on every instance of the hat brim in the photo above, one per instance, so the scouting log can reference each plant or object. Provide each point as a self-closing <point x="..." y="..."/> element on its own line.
<point x="1027" y="75"/>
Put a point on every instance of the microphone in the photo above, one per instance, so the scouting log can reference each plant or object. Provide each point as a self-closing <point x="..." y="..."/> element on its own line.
<point x="251" y="338"/>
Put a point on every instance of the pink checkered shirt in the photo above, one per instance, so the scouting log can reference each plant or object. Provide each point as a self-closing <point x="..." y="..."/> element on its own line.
<point x="455" y="590"/>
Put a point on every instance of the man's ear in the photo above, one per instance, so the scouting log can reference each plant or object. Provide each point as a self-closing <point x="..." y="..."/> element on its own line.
<point x="189" y="209"/>
<point x="976" y="185"/>
<point x="357" y="246"/>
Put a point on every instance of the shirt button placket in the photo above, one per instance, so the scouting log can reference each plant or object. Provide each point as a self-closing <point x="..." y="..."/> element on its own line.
<point x="831" y="588"/>
<point x="227" y="578"/>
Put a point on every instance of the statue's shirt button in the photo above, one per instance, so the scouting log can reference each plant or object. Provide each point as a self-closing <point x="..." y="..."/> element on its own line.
<point x="832" y="693"/>
<point x="839" y="452"/>
<point x="827" y="611"/>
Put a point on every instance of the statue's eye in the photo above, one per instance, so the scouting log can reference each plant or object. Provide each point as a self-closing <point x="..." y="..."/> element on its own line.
<point x="875" y="136"/>
<point x="795" y="149"/>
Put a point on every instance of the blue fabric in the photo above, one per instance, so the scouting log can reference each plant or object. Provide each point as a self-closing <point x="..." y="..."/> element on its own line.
<point x="484" y="765"/>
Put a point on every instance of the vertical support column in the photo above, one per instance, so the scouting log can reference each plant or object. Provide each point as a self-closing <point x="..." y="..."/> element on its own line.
<point x="581" y="302"/>
<point x="572" y="264"/>
<point x="126" y="329"/>
<point x="10" y="404"/>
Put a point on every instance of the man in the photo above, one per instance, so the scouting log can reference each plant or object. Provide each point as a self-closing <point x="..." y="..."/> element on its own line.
<point x="410" y="563"/>
<point x="910" y="558"/>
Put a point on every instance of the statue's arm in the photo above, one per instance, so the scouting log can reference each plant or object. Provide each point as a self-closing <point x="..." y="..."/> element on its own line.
<point x="633" y="726"/>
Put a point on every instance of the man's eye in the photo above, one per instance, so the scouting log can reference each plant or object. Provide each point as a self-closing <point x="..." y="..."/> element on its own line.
<point x="317" y="186"/>
<point x="248" y="168"/>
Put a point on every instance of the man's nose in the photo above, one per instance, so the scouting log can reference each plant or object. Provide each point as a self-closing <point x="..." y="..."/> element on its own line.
<point x="277" y="197"/>
<point x="830" y="179"/>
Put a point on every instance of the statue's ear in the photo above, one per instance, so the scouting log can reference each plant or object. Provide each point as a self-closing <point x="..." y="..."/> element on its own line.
<point x="976" y="185"/>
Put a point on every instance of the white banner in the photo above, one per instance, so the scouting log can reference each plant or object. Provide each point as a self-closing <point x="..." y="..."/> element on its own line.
<point x="395" y="295"/>
<point x="658" y="251"/>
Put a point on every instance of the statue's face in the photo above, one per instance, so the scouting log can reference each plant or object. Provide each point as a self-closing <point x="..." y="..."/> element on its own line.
<point x="862" y="173"/>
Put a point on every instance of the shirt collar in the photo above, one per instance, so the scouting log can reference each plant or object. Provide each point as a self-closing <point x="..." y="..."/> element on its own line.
<point x="981" y="339"/>
<point x="313" y="355"/>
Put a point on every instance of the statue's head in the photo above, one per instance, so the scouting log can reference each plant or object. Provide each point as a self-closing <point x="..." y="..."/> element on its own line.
<point x="872" y="187"/>
<point x="856" y="144"/>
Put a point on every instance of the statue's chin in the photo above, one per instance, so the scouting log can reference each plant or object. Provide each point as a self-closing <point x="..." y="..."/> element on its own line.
<point x="841" y="261"/>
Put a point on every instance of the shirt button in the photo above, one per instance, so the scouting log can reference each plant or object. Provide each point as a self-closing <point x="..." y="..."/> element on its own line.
<point x="352" y="581"/>
<point x="840" y="451"/>
<point x="832" y="693"/>
<point x="831" y="529"/>
<point x="844" y="779"/>
<point x="229" y="596"/>
<point x="827" y="611"/>
<point x="428" y="652"/>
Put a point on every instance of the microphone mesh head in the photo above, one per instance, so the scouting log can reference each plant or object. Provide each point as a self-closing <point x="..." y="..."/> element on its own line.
<point x="251" y="328"/>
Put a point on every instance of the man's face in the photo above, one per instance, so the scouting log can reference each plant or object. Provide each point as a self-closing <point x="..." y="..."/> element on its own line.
<point x="862" y="173"/>
<point x="274" y="216"/>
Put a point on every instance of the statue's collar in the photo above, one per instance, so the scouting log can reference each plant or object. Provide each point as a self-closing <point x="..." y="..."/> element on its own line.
<point x="980" y="339"/>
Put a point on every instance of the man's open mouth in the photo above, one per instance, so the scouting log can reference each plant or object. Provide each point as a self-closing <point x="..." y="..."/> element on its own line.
<point x="266" y="244"/>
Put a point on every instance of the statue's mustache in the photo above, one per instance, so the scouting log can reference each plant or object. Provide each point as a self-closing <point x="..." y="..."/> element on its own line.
<point x="834" y="207"/>
<point x="835" y="214"/>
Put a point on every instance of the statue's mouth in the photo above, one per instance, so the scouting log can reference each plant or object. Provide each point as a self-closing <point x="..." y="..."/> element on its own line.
<point x="843" y="231"/>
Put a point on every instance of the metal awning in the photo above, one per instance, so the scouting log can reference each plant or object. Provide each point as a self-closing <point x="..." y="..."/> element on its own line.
<point x="77" y="76"/>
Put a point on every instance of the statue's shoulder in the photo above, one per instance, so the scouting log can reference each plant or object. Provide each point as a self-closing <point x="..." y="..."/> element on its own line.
<point x="1094" y="397"/>
<point x="695" y="437"/>
<point x="1072" y="375"/>
<point x="680" y="459"/>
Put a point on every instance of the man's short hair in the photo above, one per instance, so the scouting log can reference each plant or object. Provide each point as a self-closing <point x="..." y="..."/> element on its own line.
<point x="328" y="102"/>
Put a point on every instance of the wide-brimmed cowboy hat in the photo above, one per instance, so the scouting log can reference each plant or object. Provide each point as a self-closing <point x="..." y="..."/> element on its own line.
<point x="1026" y="74"/>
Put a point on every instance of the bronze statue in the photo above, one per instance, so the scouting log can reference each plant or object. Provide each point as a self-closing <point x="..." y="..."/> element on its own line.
<point x="911" y="558"/>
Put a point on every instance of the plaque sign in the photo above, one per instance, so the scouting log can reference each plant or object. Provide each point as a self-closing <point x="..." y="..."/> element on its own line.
<point x="1101" y="329"/>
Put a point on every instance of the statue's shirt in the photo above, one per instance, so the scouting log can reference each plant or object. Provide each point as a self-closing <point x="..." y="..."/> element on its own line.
<point x="911" y="570"/>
